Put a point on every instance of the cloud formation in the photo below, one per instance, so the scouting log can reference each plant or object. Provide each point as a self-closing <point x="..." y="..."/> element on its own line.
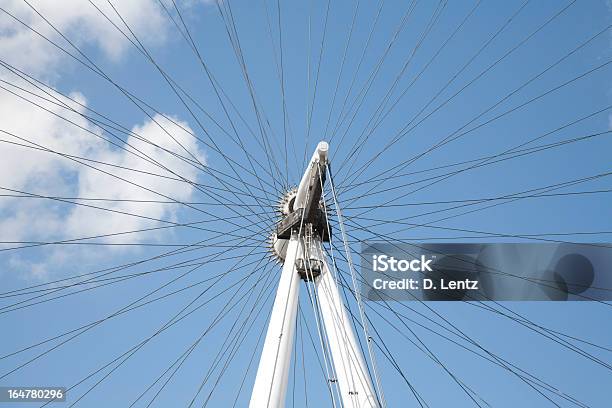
<point x="80" y="22"/>
<point x="36" y="139"/>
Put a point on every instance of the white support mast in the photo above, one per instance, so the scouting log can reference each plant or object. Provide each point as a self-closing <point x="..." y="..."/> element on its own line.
<point x="298" y="242"/>
<point x="271" y="381"/>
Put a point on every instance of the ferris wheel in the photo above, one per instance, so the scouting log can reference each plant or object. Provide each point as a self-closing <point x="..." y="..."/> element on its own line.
<point x="193" y="194"/>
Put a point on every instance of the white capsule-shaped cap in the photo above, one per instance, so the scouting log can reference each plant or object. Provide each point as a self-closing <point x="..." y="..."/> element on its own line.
<point x="322" y="149"/>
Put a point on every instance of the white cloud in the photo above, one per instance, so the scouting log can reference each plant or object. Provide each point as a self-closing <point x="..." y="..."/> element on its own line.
<point x="46" y="174"/>
<point x="79" y="21"/>
<point x="93" y="183"/>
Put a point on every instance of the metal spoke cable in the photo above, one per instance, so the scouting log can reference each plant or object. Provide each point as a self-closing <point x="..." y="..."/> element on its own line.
<point x="541" y="282"/>
<point x="418" y="76"/>
<point x="119" y="278"/>
<point x="109" y="125"/>
<point x="183" y="357"/>
<point x="133" y="306"/>
<point x="496" y="362"/>
<point x="514" y="150"/>
<point x="89" y="327"/>
<point x="509" y="198"/>
<point x="252" y="358"/>
<point x="134" y="200"/>
<point x="534" y="237"/>
<point x="486" y="161"/>
<point x="447" y="140"/>
<point x="499" y="360"/>
<point x="407" y="128"/>
<point x="238" y="342"/>
<point x="362" y="94"/>
<point x="232" y="35"/>
<point x="231" y="338"/>
<point x="114" y="175"/>
<point x="552" y="337"/>
<point x="341" y="69"/>
<point x="149" y="56"/>
<point x="372" y="76"/>
<point x="132" y="98"/>
<point x="356" y="146"/>
<point x="144" y="217"/>
<point x="282" y="86"/>
<point x="170" y="323"/>
<point x="229" y="18"/>
<point x="218" y="92"/>
<point x="506" y="364"/>
<point x="181" y="315"/>
<point x="316" y="82"/>
<point x="423" y="36"/>
<point x="447" y="175"/>
<point x="109" y="270"/>
<point x="35" y="300"/>
<point x="469" y="62"/>
<point x="140" y="186"/>
<point x="119" y="311"/>
<point x="454" y="135"/>
<point x="357" y="69"/>
<point x="303" y="358"/>
<point x="484" y="199"/>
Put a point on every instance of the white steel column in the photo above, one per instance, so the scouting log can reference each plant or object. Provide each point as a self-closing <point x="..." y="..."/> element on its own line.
<point x="273" y="372"/>
<point x="351" y="371"/>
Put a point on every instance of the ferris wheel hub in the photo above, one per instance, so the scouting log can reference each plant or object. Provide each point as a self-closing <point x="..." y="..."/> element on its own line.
<point x="301" y="208"/>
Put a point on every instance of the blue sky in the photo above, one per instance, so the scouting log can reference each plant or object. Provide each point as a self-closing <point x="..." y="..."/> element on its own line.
<point x="305" y="62"/>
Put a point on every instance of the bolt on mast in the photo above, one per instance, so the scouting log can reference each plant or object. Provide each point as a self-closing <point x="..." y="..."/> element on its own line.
<point x="298" y="244"/>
